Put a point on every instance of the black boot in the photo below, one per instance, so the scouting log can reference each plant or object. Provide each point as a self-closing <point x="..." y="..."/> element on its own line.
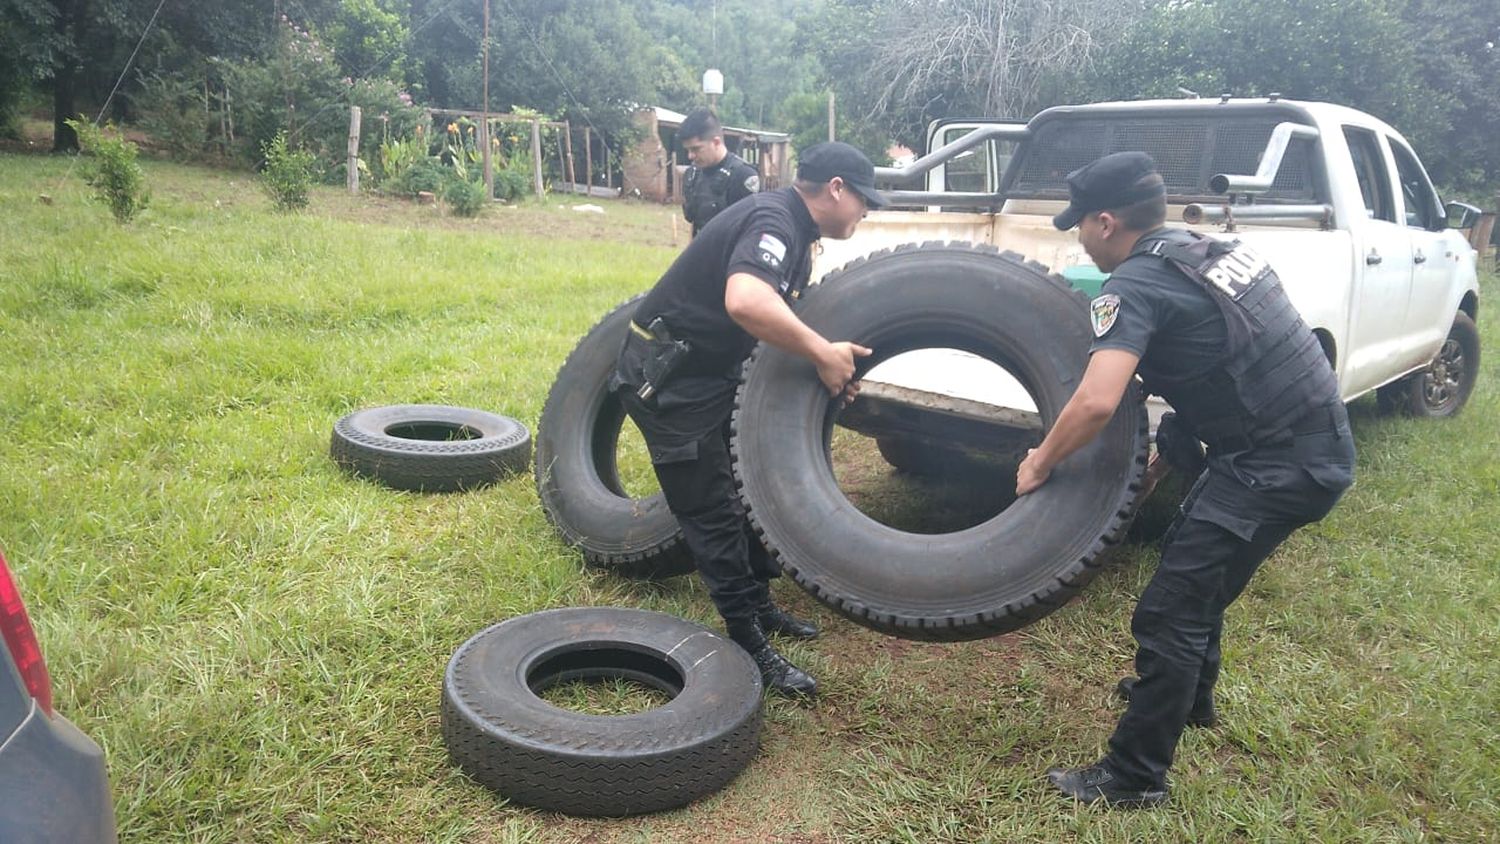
<point x="1097" y="784"/>
<point x="776" y="621"/>
<point x="1201" y="715"/>
<point x="776" y="672"/>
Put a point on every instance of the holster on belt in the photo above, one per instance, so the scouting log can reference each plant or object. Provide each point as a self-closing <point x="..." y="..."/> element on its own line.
<point x="1181" y="449"/>
<point x="664" y="356"/>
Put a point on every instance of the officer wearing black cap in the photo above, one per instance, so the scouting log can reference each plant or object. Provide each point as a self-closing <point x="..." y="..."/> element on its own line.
<point x="717" y="178"/>
<point x="680" y="366"/>
<point x="1208" y="327"/>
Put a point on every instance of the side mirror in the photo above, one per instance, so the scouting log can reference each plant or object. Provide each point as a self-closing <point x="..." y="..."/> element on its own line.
<point x="1461" y="215"/>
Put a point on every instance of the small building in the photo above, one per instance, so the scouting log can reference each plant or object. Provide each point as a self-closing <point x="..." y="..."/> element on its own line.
<point x="654" y="167"/>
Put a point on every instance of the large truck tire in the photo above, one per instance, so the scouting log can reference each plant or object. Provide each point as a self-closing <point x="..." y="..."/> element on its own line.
<point x="503" y="734"/>
<point x="996" y="576"/>
<point x="430" y="447"/>
<point x="577" y="476"/>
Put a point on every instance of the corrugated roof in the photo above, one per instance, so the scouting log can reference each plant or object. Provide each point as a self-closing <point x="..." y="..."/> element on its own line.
<point x="668" y="117"/>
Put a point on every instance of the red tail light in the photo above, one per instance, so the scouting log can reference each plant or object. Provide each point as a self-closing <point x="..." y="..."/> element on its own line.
<point x="20" y="640"/>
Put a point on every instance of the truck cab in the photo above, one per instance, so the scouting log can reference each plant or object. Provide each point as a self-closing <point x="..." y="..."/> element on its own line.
<point x="1336" y="199"/>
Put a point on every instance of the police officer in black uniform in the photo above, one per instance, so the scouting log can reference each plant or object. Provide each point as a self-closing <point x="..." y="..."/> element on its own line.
<point x="717" y="178"/>
<point x="680" y="367"/>
<point x="1209" y="328"/>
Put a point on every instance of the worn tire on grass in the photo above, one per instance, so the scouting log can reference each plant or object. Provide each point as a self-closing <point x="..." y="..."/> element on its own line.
<point x="577" y="477"/>
<point x="993" y="577"/>
<point x="1442" y="388"/>
<point x="500" y="732"/>
<point x="429" y="447"/>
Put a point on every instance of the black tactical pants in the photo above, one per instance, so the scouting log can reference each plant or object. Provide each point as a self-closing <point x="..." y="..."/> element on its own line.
<point x="1241" y="508"/>
<point x="697" y="479"/>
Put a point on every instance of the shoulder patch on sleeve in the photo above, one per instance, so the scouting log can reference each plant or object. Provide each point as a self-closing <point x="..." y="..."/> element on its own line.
<point x="771" y="250"/>
<point x="1102" y="312"/>
<point x="752" y="183"/>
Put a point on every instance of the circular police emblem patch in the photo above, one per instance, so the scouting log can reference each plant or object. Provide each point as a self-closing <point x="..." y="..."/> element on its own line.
<point x="752" y="183"/>
<point x="1103" y="311"/>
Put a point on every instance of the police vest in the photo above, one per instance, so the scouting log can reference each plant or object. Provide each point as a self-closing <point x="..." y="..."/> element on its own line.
<point x="1274" y="370"/>
<point x="706" y="192"/>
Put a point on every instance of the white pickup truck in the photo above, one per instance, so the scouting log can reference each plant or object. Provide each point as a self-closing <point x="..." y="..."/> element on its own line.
<point x="1334" y="198"/>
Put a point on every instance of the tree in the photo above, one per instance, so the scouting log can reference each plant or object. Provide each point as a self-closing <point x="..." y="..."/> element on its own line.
<point x="27" y="50"/>
<point x="907" y="62"/>
<point x="753" y="42"/>
<point x="1420" y="66"/>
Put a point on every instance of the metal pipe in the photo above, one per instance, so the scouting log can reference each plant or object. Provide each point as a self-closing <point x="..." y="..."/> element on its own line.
<point x="1198" y="213"/>
<point x="950" y="200"/>
<point x="949" y="151"/>
<point x="1270" y="161"/>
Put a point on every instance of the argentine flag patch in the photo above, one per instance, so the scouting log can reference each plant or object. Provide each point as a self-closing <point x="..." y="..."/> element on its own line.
<point x="772" y="251"/>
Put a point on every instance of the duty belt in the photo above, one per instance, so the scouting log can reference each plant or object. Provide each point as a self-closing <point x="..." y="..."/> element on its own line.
<point x="1313" y="422"/>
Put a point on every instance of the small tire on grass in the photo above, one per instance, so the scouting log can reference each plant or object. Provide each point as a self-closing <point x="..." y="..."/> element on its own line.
<point x="999" y="575"/>
<point x="504" y="735"/>
<point x="577" y="474"/>
<point x="1443" y="387"/>
<point x="429" y="447"/>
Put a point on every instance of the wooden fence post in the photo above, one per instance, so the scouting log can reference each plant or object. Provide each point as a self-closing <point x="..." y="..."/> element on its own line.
<point x="536" y="156"/>
<point x="588" y="160"/>
<point x="489" y="164"/>
<point x="353" y="163"/>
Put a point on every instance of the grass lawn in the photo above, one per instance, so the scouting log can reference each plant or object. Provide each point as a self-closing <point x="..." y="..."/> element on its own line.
<point x="258" y="640"/>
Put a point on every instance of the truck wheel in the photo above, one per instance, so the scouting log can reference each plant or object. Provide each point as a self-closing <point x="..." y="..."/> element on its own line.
<point x="577" y="473"/>
<point x="996" y="576"/>
<point x="1442" y="389"/>
<point x="429" y="447"/>
<point x="504" y="735"/>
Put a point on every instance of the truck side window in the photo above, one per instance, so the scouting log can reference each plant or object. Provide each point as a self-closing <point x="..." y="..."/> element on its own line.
<point x="969" y="172"/>
<point x="1421" y="201"/>
<point x="1369" y="168"/>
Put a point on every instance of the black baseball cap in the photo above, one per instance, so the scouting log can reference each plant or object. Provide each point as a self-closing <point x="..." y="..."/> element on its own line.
<point x="821" y="162"/>
<point x="1114" y="181"/>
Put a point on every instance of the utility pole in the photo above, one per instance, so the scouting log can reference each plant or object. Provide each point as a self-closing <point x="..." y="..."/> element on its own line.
<point x="830" y="116"/>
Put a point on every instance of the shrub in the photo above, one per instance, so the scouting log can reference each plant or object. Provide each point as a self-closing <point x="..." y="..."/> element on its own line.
<point x="113" y="172"/>
<point x="426" y="174"/>
<point x="288" y="173"/>
<point x="298" y="87"/>
<point x="171" y="110"/>
<point x="513" y="182"/>
<point x="465" y="199"/>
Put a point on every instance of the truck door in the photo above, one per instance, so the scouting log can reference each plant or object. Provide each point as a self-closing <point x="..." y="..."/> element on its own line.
<point x="1429" y="311"/>
<point x="1383" y="254"/>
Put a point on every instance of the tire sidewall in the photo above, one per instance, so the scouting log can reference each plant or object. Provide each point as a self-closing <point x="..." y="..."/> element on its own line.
<point x="969" y="583"/>
<point x="589" y="515"/>
<point x="1466" y="333"/>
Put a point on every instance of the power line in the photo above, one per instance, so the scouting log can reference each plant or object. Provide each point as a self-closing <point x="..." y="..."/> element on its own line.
<point x="583" y="111"/>
<point x="121" y="78"/>
<point x="383" y="60"/>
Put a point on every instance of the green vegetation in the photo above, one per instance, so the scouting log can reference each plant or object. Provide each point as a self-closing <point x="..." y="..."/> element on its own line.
<point x="224" y="78"/>
<point x="112" y="170"/>
<point x="288" y="174"/>
<point x="466" y="199"/>
<point x="258" y="640"/>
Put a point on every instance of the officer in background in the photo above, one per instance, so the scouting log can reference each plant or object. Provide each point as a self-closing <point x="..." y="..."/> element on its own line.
<point x="680" y="367"/>
<point x="1209" y="328"/>
<point x="717" y="178"/>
